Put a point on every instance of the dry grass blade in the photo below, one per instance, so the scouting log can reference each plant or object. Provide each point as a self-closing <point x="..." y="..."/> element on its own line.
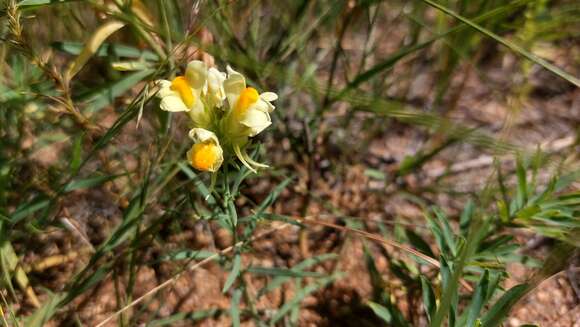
<point x="370" y="236"/>
<point x="93" y="44"/>
<point x="379" y="239"/>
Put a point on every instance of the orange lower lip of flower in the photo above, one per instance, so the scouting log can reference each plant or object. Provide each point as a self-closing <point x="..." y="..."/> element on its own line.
<point x="248" y="97"/>
<point x="181" y="86"/>
<point x="203" y="156"/>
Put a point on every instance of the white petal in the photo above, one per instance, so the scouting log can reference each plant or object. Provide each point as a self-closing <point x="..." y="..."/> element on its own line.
<point x="202" y="135"/>
<point x="172" y="102"/>
<point x="271" y="107"/>
<point x="164" y="88"/>
<point x="269" y="96"/>
<point x="234" y="85"/>
<point x="256" y="121"/>
<point x="196" y="74"/>
<point x="231" y="71"/>
<point x="215" y="73"/>
<point x="260" y="105"/>
<point x="215" y="89"/>
<point x="198" y="114"/>
<point x="232" y="99"/>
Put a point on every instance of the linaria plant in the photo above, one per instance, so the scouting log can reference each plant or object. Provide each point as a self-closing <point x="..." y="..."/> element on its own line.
<point x="406" y="181"/>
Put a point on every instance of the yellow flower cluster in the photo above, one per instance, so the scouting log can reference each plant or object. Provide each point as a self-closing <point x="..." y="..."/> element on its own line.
<point x="225" y="113"/>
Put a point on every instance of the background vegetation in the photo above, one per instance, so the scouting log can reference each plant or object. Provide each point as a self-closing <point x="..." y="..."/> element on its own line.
<point x="424" y="157"/>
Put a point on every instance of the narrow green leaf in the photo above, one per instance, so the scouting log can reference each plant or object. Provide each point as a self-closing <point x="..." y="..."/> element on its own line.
<point x="81" y="286"/>
<point x="502" y="307"/>
<point x="437" y="233"/>
<point x="375" y="174"/>
<point x="381" y="312"/>
<point x="450" y="286"/>
<point x="235" y="308"/>
<point x="478" y="299"/>
<point x="232" y="214"/>
<point x="448" y="234"/>
<point x="452" y="315"/>
<point x="184" y="316"/>
<point x="279" y="280"/>
<point x="76" y="158"/>
<point x="418" y="242"/>
<point x="566" y="180"/>
<point x="105" y="94"/>
<point x="8" y="260"/>
<point x="29" y="4"/>
<point x="120" y="50"/>
<point x="522" y="193"/>
<point x="283" y="272"/>
<point x="27" y="209"/>
<point x="89" y="182"/>
<point x="269" y="200"/>
<point x="237" y="264"/>
<point x="429" y="300"/>
<point x="198" y="183"/>
<point x="123" y="119"/>
<point x="466" y="215"/>
<point x="188" y="255"/>
<point x="40" y="317"/>
<point x="377" y="281"/>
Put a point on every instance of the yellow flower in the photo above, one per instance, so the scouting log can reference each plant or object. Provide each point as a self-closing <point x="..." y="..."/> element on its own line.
<point x="200" y="92"/>
<point x="183" y="93"/>
<point x="206" y="153"/>
<point x="249" y="114"/>
<point x="249" y="111"/>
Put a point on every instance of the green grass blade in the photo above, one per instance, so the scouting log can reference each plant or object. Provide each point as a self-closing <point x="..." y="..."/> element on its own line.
<point x="510" y="45"/>
<point x="120" y="50"/>
<point x="28" y="208"/>
<point x="279" y="280"/>
<point x="429" y="300"/>
<point x="188" y="255"/>
<point x="32" y="4"/>
<point x="235" y="308"/>
<point x="267" y="271"/>
<point x="389" y="62"/>
<point x="478" y="300"/>
<point x="89" y="182"/>
<point x="184" y="316"/>
<point x="234" y="273"/>
<point x="108" y="92"/>
<point x="41" y="316"/>
<point x="381" y="312"/>
<point x="502" y="307"/>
